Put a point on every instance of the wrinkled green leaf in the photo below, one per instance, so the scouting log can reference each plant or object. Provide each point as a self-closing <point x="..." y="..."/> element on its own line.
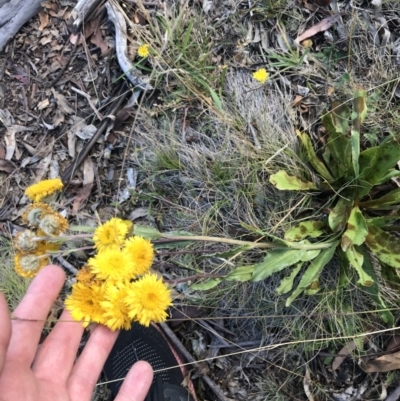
<point x="303" y="230"/>
<point x="380" y="161"/>
<point x="391" y="198"/>
<point x="312" y="272"/>
<point x="382" y="221"/>
<point x="373" y="290"/>
<point x="150" y="233"/>
<point x="358" y="115"/>
<point x="275" y="261"/>
<point x="356" y="229"/>
<point x="338" y="146"/>
<point x="283" y="181"/>
<point x="313" y="159"/>
<point x="385" y="246"/>
<point x="340" y="213"/>
<point x="286" y="283"/>
<point x="207" y="285"/>
<point x="242" y="273"/>
<point x="356" y="261"/>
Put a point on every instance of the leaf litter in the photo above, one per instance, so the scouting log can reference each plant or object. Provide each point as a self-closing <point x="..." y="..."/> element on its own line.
<point x="182" y="178"/>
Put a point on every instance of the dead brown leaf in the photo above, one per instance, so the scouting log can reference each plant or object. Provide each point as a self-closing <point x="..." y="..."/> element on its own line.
<point x="44" y="20"/>
<point x="62" y="103"/>
<point x="343" y="354"/>
<point x="85" y="191"/>
<point x="97" y="39"/>
<point x="323" y="25"/>
<point x="384" y="363"/>
<point x="7" y="166"/>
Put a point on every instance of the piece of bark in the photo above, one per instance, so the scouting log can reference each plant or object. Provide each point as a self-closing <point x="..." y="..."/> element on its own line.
<point x="14" y="14"/>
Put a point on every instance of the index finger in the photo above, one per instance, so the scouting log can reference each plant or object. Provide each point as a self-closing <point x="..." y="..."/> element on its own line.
<point x="34" y="307"/>
<point x="5" y="332"/>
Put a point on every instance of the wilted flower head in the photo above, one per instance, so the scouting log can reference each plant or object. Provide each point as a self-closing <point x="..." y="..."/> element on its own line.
<point x="29" y="265"/>
<point x="34" y="213"/>
<point x="261" y="75"/>
<point x="53" y="224"/>
<point x="24" y="241"/>
<point x="42" y="189"/>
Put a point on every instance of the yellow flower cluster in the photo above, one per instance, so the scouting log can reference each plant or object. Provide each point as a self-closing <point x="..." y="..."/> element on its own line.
<point x="143" y="51"/>
<point x="32" y="252"/>
<point x="116" y="288"/>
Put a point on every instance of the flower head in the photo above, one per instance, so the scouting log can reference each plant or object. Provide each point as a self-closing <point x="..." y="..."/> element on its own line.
<point x="141" y="251"/>
<point x="143" y="51"/>
<point x="29" y="265"/>
<point x="42" y="189"/>
<point x="24" y="241"/>
<point x="53" y="224"/>
<point x="34" y="213"/>
<point x="110" y="235"/>
<point x="84" y="303"/>
<point x="147" y="300"/>
<point x="261" y="75"/>
<point x="112" y="265"/>
<point x="115" y="315"/>
<point x="85" y="275"/>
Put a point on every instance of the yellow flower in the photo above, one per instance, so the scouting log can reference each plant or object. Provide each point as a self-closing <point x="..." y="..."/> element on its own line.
<point x="147" y="300"/>
<point x="261" y="75"/>
<point x="85" y="275"/>
<point x="53" y="224"/>
<point x="143" y="51"/>
<point x="110" y="235"/>
<point x="141" y="251"/>
<point x="112" y="264"/>
<point x="37" y="192"/>
<point x="115" y="315"/>
<point x="34" y="213"/>
<point x="29" y="265"/>
<point x="84" y="303"/>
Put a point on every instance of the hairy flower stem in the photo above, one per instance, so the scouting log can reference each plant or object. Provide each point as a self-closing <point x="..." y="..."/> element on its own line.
<point x="195" y="277"/>
<point x="63" y="237"/>
<point x="262" y="245"/>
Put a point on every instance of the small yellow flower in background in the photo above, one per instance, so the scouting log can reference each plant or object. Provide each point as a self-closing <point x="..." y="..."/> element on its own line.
<point x="84" y="303"/>
<point x="115" y="315"/>
<point x="141" y="252"/>
<point x="261" y="75"/>
<point x="29" y="265"/>
<point x="143" y="51"/>
<point x="148" y="299"/>
<point x="111" y="234"/>
<point x="42" y="189"/>
<point x="114" y="265"/>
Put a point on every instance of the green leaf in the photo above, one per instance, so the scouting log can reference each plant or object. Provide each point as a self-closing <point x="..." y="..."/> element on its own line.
<point x="356" y="229"/>
<point x="390" y="174"/>
<point x="275" y="261"/>
<point x="150" y="233"/>
<point x="373" y="290"/>
<point x="382" y="221"/>
<point x="344" y="277"/>
<point x="356" y="260"/>
<point x="338" y="146"/>
<point x="389" y="199"/>
<point x="362" y="188"/>
<point x="385" y="246"/>
<point x="207" y="285"/>
<point x="381" y="160"/>
<point x="283" y="181"/>
<point x="303" y="230"/>
<point x="390" y="275"/>
<point x="312" y="158"/>
<point x="242" y="273"/>
<point x="358" y="116"/>
<point x="340" y="213"/>
<point x="312" y="273"/>
<point x="310" y="255"/>
<point x="286" y="284"/>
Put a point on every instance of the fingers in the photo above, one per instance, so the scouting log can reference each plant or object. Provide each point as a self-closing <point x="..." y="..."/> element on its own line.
<point x="87" y="369"/>
<point x="56" y="356"/>
<point x="5" y="332"/>
<point x="35" y="307"/>
<point x="137" y="383"/>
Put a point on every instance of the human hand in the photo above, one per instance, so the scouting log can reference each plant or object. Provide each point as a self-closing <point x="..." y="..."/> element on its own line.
<point x="51" y="372"/>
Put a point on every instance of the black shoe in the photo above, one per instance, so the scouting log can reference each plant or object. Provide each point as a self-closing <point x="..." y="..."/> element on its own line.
<point x="147" y="344"/>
